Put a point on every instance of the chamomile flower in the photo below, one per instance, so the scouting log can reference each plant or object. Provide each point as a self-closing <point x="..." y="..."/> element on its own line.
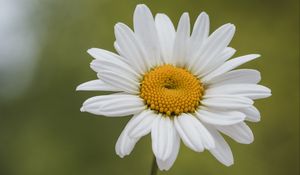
<point x="179" y="86"/>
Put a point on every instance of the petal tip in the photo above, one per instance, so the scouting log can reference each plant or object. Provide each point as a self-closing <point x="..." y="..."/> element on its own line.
<point x="79" y="88"/>
<point x="228" y="164"/>
<point x="120" y="155"/>
<point x="256" y="55"/>
<point x="204" y="14"/>
<point x="141" y="7"/>
<point x="92" y="51"/>
<point x="232" y="27"/>
<point x="82" y="109"/>
<point x="185" y="16"/>
<point x="118" y="25"/>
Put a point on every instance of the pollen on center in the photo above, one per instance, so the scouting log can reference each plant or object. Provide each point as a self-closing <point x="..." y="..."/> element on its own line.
<point x="171" y="90"/>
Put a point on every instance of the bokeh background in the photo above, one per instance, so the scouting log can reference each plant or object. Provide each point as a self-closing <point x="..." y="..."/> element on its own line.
<point x="43" y="58"/>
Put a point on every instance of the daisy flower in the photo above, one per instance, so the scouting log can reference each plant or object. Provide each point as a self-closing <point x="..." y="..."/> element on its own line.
<point x="178" y="85"/>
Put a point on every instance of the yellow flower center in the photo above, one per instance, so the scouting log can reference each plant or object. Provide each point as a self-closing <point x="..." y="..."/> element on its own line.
<point x="171" y="90"/>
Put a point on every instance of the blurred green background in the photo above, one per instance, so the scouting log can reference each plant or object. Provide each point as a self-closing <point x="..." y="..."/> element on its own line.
<point x="43" y="58"/>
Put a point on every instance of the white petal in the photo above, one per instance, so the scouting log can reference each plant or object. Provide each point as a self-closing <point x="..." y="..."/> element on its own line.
<point x="252" y="114"/>
<point x="142" y="124"/>
<point x="129" y="47"/>
<point x="109" y="58"/>
<point x="193" y="134"/>
<point x="252" y="91"/>
<point x="222" y="151"/>
<point x="163" y="135"/>
<point x="121" y="81"/>
<point x="144" y="28"/>
<point x="214" y="45"/>
<point x="96" y="85"/>
<point x="101" y="54"/>
<point x="110" y="65"/>
<point x="181" y="41"/>
<point x="220" y="117"/>
<point x="229" y="65"/>
<point x="217" y="61"/>
<point x="226" y="102"/>
<point x="125" y="144"/>
<point x="166" y="165"/>
<point x="189" y="136"/>
<point x="106" y="60"/>
<point x="199" y="34"/>
<point x="240" y="132"/>
<point x="166" y="35"/>
<point x="239" y="76"/>
<point x="118" y="49"/>
<point x="113" y="105"/>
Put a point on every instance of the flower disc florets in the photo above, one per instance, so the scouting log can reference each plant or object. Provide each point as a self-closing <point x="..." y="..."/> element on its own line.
<point x="171" y="90"/>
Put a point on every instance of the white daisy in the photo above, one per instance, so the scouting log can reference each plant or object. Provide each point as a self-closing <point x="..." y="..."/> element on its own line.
<point x="177" y="85"/>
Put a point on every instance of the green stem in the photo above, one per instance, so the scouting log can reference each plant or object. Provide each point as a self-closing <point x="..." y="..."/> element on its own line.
<point x="154" y="167"/>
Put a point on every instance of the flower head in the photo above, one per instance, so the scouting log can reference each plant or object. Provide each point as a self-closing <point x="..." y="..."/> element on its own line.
<point x="177" y="85"/>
